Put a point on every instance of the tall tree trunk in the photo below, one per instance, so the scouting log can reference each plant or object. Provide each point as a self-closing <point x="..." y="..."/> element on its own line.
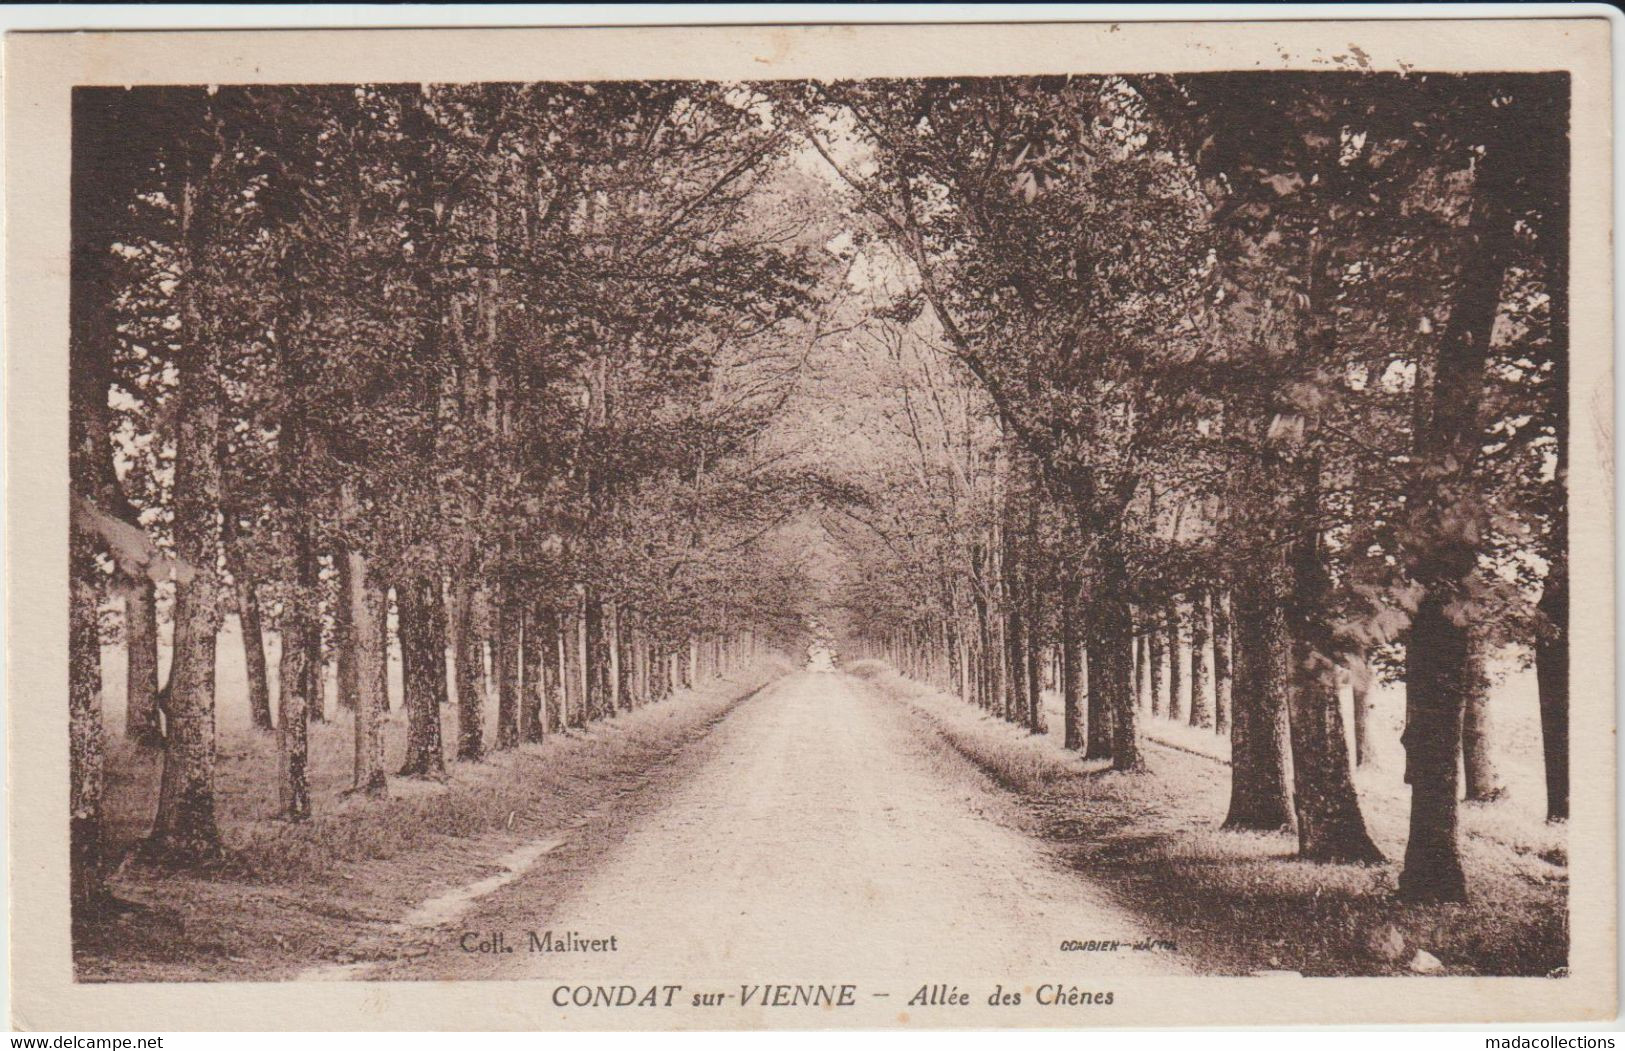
<point x="1223" y="662"/>
<point x="592" y="655"/>
<point x="533" y="682"/>
<point x="85" y="737"/>
<point x="583" y="661"/>
<point x="1446" y="523"/>
<point x="1034" y="714"/>
<point x="1176" y="671"/>
<point x="1360" y="694"/>
<point x="566" y="681"/>
<point x="1552" y="630"/>
<point x="1260" y="788"/>
<point x="612" y="630"/>
<point x="479" y="661"/>
<point x="360" y="598"/>
<point x="301" y="611"/>
<point x="649" y="667"/>
<point x="344" y="642"/>
<point x="1032" y="613"/>
<point x="259" y="686"/>
<point x="1071" y="665"/>
<point x="101" y="181"/>
<point x="1330" y="825"/>
<point x="141" y="720"/>
<point x="481" y="628"/>
<point x="1434" y="690"/>
<point x="470" y="703"/>
<point x="380" y="595"/>
<point x="648" y="664"/>
<point x="435" y="611"/>
<point x="637" y="665"/>
<point x="1157" y="654"/>
<point x="184" y="829"/>
<point x="507" y="668"/>
<point x="549" y="634"/>
<point x="1201" y="677"/>
<point x="1015" y="663"/>
<point x="953" y="652"/>
<point x="1111" y="629"/>
<point x="1477" y="760"/>
<point x="984" y="626"/>
<point x="90" y="467"/>
<point x="1552" y="681"/>
<point x="425" y="751"/>
<point x="293" y="718"/>
<point x="1099" y="704"/>
<point x="315" y="669"/>
<point x="1142" y="670"/>
<point x="634" y="667"/>
<point x="311" y="638"/>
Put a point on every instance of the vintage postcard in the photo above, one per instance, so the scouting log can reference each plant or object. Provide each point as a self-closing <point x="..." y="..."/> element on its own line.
<point x="935" y="526"/>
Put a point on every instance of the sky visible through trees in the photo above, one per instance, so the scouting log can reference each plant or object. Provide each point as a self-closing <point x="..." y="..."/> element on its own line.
<point x="1106" y="404"/>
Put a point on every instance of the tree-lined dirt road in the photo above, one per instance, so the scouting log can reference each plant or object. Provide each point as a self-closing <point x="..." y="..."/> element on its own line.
<point x="818" y="832"/>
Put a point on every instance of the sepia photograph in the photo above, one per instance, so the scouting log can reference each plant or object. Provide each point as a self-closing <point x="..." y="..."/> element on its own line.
<point x="749" y="551"/>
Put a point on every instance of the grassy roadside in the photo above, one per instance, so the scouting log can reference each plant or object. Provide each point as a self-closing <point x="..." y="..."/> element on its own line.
<point x="1242" y="902"/>
<point x="291" y="896"/>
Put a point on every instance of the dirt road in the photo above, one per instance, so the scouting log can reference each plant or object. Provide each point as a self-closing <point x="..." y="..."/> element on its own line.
<point x="818" y="831"/>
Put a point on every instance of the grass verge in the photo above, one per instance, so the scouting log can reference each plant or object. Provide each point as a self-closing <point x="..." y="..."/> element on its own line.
<point x="1242" y="902"/>
<point x="287" y="897"/>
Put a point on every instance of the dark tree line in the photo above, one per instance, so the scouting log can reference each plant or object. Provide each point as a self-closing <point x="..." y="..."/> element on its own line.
<point x="476" y="372"/>
<point x="1268" y="370"/>
<point x="1271" y="369"/>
